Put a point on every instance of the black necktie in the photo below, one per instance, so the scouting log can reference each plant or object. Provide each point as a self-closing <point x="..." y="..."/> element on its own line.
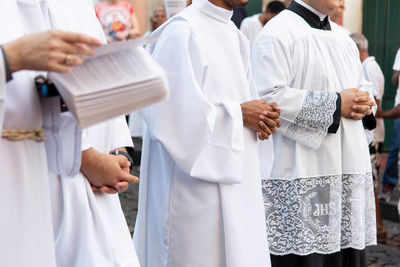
<point x="325" y="25"/>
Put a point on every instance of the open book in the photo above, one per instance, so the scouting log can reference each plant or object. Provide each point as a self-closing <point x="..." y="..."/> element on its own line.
<point x="120" y="78"/>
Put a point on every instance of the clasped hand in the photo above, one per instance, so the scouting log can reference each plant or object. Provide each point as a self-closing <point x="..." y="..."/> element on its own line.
<point x="262" y="117"/>
<point x="105" y="172"/>
<point x="355" y="104"/>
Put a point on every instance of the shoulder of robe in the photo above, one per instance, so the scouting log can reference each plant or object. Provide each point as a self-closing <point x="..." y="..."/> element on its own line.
<point x="245" y="22"/>
<point x="174" y="25"/>
<point x="284" y="28"/>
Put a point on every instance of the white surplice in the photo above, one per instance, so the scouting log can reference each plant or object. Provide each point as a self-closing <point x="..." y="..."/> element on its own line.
<point x="251" y="27"/>
<point x="319" y="197"/>
<point x="89" y="228"/>
<point x="200" y="201"/>
<point x="26" y="236"/>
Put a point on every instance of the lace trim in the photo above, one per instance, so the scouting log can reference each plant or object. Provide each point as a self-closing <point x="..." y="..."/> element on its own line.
<point x="319" y="214"/>
<point x="316" y="115"/>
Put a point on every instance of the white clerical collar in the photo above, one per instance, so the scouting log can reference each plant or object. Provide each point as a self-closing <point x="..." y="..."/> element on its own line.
<point x="213" y="11"/>
<point x="313" y="10"/>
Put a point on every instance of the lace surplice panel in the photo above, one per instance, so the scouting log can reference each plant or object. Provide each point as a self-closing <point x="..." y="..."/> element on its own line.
<point x="319" y="214"/>
<point x="314" y="118"/>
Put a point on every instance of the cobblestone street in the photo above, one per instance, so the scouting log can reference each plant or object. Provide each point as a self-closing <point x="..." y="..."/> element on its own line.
<point x="386" y="255"/>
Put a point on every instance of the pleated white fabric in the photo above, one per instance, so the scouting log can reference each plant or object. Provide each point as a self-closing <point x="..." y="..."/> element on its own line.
<point x="319" y="196"/>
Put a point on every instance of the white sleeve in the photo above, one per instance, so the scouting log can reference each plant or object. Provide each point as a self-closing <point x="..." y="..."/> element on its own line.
<point x="396" y="65"/>
<point x="305" y="114"/>
<point x="199" y="135"/>
<point x="2" y="89"/>
<point x="120" y="135"/>
<point x="372" y="74"/>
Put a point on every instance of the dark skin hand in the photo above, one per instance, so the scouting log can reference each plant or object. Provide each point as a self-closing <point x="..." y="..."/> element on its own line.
<point x="261" y="117"/>
<point x="395" y="78"/>
<point x="390" y="114"/>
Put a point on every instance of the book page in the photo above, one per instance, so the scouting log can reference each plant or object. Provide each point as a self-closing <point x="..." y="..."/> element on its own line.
<point x="109" y="71"/>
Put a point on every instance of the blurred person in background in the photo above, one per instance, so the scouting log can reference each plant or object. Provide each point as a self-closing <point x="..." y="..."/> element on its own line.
<point x="391" y="175"/>
<point x="118" y="19"/>
<point x="337" y="16"/>
<point x="287" y="3"/>
<point x="158" y="17"/>
<point x="251" y="26"/>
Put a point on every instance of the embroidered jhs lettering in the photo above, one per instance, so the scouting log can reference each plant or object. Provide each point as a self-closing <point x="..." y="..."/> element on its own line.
<point x="324" y="209"/>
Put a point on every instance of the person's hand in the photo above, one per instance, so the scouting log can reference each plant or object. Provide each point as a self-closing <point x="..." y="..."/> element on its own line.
<point x="106" y="172"/>
<point x="261" y="117"/>
<point x="52" y="50"/>
<point x="271" y="119"/>
<point x="355" y="104"/>
<point x="117" y="188"/>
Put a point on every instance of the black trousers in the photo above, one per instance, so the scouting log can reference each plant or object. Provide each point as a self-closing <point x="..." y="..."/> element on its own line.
<point x="344" y="258"/>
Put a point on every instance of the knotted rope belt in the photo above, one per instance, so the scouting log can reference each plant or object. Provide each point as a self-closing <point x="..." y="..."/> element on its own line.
<point x="23" y="134"/>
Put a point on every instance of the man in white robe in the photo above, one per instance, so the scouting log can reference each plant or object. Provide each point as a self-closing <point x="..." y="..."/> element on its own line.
<point x="251" y="26"/>
<point x="200" y="201"/>
<point x="89" y="228"/>
<point x="26" y="226"/>
<point x="319" y="200"/>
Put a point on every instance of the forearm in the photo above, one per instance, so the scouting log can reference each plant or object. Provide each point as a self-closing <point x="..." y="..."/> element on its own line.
<point x="391" y="114"/>
<point x="90" y="159"/>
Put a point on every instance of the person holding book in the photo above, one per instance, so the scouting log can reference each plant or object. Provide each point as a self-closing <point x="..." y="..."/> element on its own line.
<point x="88" y="224"/>
<point x="26" y="224"/>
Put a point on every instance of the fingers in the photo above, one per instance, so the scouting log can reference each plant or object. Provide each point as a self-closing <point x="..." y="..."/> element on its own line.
<point x="362" y="98"/>
<point x="123" y="161"/>
<point x="271" y="114"/>
<point x="126" y="177"/>
<point x="95" y="188"/>
<point x="72" y="37"/>
<point x="275" y="106"/>
<point x="108" y="189"/>
<point x="357" y="116"/>
<point x="366" y="110"/>
<point x="104" y="189"/>
<point x="264" y="128"/>
<point x="78" y="49"/>
<point x="270" y="123"/>
<point x="262" y="136"/>
<point x="121" y="186"/>
<point x="278" y="123"/>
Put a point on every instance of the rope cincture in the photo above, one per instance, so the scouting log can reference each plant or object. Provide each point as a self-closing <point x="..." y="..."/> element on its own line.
<point x="24" y="134"/>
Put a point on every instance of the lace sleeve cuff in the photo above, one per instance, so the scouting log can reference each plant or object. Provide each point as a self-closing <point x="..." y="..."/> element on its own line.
<point x="314" y="118"/>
